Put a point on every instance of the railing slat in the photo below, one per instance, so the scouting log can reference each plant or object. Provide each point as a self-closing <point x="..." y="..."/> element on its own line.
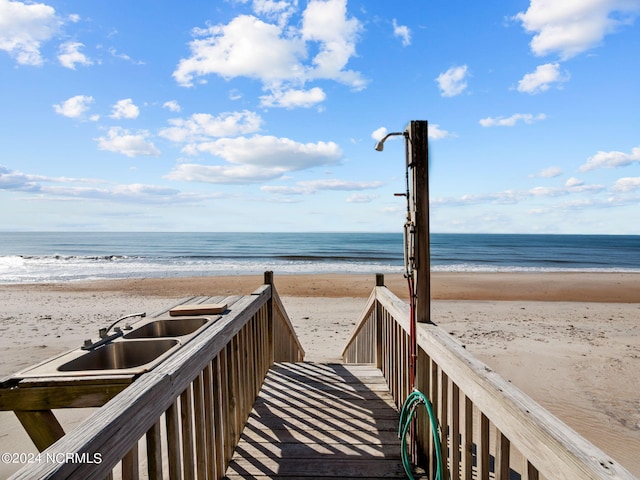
<point x="209" y="420"/>
<point x="217" y="415"/>
<point x="130" y="464"/>
<point x="433" y="396"/>
<point x="173" y="442"/>
<point x="454" y="441"/>
<point x="532" y="472"/>
<point x="200" y="427"/>
<point x="444" y="418"/>
<point x="502" y="457"/>
<point x="186" y="421"/>
<point x="467" y="440"/>
<point x="154" y="452"/>
<point x="482" y="455"/>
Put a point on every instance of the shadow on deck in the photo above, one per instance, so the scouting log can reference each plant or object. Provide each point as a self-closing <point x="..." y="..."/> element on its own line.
<point x="318" y="421"/>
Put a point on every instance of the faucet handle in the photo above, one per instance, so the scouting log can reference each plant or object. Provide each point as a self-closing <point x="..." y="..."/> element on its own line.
<point x="88" y="343"/>
<point x="102" y="332"/>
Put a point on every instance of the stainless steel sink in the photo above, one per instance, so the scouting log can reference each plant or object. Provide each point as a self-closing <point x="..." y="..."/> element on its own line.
<point x="168" y="328"/>
<point x="120" y="355"/>
<point x="139" y="350"/>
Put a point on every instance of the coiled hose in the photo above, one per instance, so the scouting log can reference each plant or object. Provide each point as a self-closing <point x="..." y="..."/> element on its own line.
<point x="415" y="399"/>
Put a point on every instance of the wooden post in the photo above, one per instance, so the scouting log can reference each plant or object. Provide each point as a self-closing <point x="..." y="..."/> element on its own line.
<point x="268" y="280"/>
<point x="419" y="167"/>
<point x="378" y="320"/>
<point x="42" y="426"/>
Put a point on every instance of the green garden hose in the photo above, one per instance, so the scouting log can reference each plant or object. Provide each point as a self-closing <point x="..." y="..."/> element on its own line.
<point x="412" y="402"/>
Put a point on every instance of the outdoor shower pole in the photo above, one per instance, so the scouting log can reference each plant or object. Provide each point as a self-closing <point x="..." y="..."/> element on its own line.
<point x="419" y="168"/>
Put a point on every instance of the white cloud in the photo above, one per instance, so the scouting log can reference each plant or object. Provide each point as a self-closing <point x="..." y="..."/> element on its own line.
<point x="512" y="120"/>
<point x="309" y="187"/>
<point x="403" y="32"/>
<point x="223" y="174"/>
<point x="379" y="134"/>
<point x="125" y="108"/>
<point x="315" y="185"/>
<point x="235" y="94"/>
<point x="85" y="188"/>
<point x="74" y="107"/>
<point x="326" y="22"/>
<point x="436" y="133"/>
<point x="277" y="54"/>
<point x="278" y="10"/>
<point x="361" y="198"/>
<point x="119" y="140"/>
<point x="246" y="46"/>
<point x="203" y="126"/>
<point x="24" y="27"/>
<point x="573" y="182"/>
<point x="550" y="172"/>
<point x="123" y="56"/>
<point x="452" y="82"/>
<point x="13" y="180"/>
<point x="542" y="78"/>
<point x="294" y="98"/>
<point x="611" y="159"/>
<point x="255" y="159"/>
<point x="509" y="197"/>
<point x="627" y="184"/>
<point x="172" y="106"/>
<point x="69" y="55"/>
<point x="570" y="27"/>
<point x="273" y="152"/>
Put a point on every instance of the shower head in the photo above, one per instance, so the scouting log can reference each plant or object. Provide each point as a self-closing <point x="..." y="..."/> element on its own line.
<point x="380" y="144"/>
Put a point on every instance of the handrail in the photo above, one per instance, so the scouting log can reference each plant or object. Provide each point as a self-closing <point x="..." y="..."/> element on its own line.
<point x="190" y="409"/>
<point x="487" y="424"/>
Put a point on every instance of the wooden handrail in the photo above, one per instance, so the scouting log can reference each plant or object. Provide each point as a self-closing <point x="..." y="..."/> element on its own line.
<point x="488" y="426"/>
<point x="197" y="400"/>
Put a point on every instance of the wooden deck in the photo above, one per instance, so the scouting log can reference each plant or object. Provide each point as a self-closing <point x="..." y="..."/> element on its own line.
<point x="317" y="421"/>
<point x="237" y="401"/>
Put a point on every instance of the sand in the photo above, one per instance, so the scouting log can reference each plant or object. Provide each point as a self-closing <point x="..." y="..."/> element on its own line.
<point x="570" y="341"/>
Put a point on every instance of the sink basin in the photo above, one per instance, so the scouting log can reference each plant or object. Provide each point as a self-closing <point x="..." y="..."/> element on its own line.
<point x="120" y="355"/>
<point x="138" y="351"/>
<point x="168" y="328"/>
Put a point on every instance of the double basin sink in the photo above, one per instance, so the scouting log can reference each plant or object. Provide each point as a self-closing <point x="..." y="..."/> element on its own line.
<point x="146" y="345"/>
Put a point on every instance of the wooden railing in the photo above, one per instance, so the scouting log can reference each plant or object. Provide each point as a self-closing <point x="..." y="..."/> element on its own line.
<point x="184" y="418"/>
<point x="489" y="428"/>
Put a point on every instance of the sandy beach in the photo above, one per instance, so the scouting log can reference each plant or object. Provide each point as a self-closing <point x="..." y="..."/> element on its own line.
<point x="570" y="341"/>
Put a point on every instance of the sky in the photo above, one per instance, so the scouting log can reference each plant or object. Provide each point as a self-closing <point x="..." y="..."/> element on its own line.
<point x="262" y="115"/>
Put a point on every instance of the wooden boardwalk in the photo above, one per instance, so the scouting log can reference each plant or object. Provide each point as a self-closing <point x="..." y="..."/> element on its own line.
<point x="318" y="421"/>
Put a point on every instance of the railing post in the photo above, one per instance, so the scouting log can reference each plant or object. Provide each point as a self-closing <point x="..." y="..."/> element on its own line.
<point x="268" y="280"/>
<point x="378" y="320"/>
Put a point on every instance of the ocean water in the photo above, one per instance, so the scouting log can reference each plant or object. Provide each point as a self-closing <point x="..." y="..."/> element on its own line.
<point x="58" y="257"/>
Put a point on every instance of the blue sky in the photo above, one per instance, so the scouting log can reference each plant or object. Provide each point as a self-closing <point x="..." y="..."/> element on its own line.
<point x="262" y="115"/>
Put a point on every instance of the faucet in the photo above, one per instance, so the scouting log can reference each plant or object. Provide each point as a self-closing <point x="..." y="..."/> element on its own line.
<point x="103" y="332"/>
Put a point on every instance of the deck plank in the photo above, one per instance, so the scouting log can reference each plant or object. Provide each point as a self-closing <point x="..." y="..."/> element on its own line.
<point x="319" y="421"/>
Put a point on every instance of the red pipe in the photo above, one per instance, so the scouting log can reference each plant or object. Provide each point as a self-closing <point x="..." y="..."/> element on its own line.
<point x="412" y="333"/>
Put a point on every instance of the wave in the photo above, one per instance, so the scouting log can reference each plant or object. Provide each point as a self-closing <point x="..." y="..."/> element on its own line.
<point x="18" y="269"/>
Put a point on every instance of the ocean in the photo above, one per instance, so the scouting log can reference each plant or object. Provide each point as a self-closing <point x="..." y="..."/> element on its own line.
<point x="60" y="257"/>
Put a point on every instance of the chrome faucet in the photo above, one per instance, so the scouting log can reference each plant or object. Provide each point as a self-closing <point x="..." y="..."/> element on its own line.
<point x="104" y="332"/>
